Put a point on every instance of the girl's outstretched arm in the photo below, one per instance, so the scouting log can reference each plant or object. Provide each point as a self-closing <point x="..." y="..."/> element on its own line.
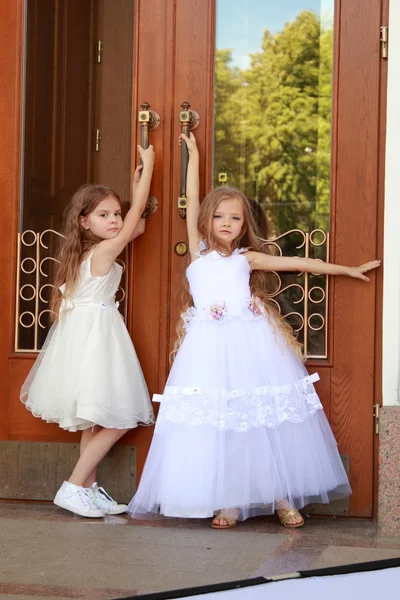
<point x="192" y="194"/>
<point x="108" y="250"/>
<point x="265" y="262"/>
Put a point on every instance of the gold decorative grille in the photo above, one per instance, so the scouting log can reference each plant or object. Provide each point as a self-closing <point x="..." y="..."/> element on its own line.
<point x="302" y="298"/>
<point x="36" y="264"/>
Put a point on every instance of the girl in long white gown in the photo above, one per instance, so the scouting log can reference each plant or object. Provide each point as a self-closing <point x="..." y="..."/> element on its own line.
<point x="87" y="376"/>
<point x="240" y="431"/>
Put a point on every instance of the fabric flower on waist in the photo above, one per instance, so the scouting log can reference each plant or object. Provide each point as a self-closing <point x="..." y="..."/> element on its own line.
<point x="256" y="306"/>
<point x="218" y="310"/>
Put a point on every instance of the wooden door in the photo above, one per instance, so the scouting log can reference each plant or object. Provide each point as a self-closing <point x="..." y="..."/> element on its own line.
<point x="178" y="56"/>
<point x="333" y="186"/>
<point x="57" y="151"/>
<point x="70" y="93"/>
<point x="57" y="148"/>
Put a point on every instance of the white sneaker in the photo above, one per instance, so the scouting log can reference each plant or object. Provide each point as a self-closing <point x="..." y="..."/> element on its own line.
<point x="104" y="502"/>
<point x="77" y="500"/>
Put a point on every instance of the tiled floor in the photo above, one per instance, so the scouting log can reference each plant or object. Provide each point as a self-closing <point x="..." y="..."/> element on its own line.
<point x="48" y="553"/>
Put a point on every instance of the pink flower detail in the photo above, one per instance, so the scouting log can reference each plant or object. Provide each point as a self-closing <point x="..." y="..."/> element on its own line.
<point x="256" y="306"/>
<point x="218" y="310"/>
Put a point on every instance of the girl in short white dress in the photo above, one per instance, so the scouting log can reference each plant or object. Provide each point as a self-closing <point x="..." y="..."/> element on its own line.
<point x="87" y="376"/>
<point x="240" y="431"/>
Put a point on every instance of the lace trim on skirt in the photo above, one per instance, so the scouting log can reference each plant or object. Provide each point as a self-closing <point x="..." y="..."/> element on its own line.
<point x="240" y="410"/>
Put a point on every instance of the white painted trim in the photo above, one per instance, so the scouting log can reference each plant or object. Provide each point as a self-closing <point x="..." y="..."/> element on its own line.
<point x="391" y="286"/>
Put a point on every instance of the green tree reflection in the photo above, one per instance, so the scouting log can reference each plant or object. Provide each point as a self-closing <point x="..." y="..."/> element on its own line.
<point x="273" y="124"/>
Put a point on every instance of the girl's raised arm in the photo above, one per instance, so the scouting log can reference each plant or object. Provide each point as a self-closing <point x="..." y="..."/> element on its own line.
<point x="141" y="226"/>
<point x="108" y="250"/>
<point x="192" y="194"/>
<point x="265" y="262"/>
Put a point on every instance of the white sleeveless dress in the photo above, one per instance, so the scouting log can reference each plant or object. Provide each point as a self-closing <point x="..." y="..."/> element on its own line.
<point x="88" y="372"/>
<point x="240" y="424"/>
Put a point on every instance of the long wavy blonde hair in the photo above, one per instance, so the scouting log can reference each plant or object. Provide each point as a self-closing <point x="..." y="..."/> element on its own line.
<point x="77" y="240"/>
<point x="261" y="282"/>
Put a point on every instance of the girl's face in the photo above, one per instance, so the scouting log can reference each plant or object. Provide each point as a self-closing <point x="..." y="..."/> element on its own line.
<point x="228" y="220"/>
<point x="105" y="221"/>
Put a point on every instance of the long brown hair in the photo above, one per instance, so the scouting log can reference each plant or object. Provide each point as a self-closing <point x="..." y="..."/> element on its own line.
<point x="77" y="240"/>
<point x="261" y="282"/>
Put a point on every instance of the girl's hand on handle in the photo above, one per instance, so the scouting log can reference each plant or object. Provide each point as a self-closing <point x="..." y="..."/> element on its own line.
<point x="146" y="155"/>
<point x="192" y="192"/>
<point x="358" y="272"/>
<point x="190" y="142"/>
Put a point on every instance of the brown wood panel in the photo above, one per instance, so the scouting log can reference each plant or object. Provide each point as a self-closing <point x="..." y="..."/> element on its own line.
<point x="57" y="108"/>
<point x="113" y="94"/>
<point x="355" y="242"/>
<point x="40" y="110"/>
<point x="35" y="470"/>
<point x="323" y="386"/>
<point x="11" y="31"/>
<point x="73" y="99"/>
<point x="149" y="280"/>
<point x="22" y="424"/>
<point x="194" y="84"/>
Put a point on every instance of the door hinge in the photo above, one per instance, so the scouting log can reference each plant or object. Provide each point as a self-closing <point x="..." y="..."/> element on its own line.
<point x="376" y="418"/>
<point x="97" y="140"/>
<point x="99" y="51"/>
<point x="384" y="41"/>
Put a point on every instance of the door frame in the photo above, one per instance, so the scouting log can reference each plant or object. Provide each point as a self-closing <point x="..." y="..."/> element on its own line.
<point x="11" y="60"/>
<point x="357" y="177"/>
<point x="156" y="25"/>
<point x="383" y="86"/>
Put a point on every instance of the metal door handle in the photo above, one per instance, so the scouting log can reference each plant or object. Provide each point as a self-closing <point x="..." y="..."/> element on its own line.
<point x="189" y="120"/>
<point x="149" y="120"/>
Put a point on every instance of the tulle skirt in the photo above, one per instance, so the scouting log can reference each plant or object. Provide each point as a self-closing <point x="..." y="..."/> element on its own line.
<point x="240" y="426"/>
<point x="88" y="374"/>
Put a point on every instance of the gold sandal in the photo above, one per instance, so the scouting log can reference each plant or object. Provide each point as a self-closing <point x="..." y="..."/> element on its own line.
<point x="230" y="523"/>
<point x="286" y="514"/>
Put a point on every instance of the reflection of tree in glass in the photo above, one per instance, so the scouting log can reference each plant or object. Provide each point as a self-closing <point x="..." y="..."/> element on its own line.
<point x="273" y="124"/>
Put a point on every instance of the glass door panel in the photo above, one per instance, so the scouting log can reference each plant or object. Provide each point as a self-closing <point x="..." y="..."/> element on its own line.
<point x="272" y="137"/>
